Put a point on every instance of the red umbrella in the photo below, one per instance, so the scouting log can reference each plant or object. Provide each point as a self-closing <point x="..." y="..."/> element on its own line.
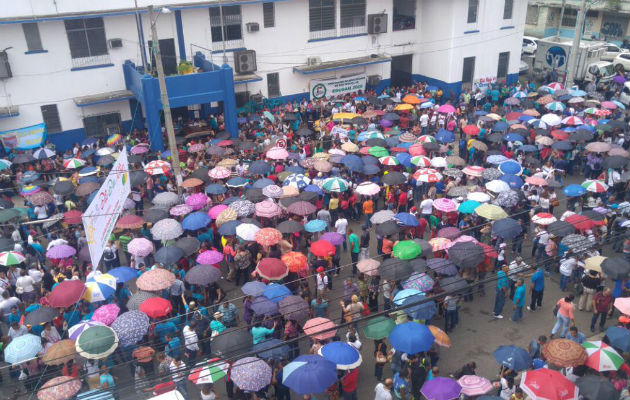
<point x="72" y="217"/>
<point x="156" y="307"/>
<point x="272" y="269"/>
<point x="471" y="130"/>
<point x="322" y="248"/>
<point x="513" y="116"/>
<point x="66" y="293"/>
<point x="547" y="384"/>
<point x="268" y="236"/>
<point x="130" y="221"/>
<point x="580" y="222"/>
<point x="295" y="261"/>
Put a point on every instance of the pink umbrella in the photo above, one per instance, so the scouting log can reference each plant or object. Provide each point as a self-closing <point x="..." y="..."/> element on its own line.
<point x="417" y="150"/>
<point x="197" y="201"/>
<point x="180" y="209"/>
<point x="446" y="108"/>
<point x="445" y="205"/>
<point x="609" y="105"/>
<point x="219" y="173"/>
<point x="140" y="247"/>
<point x="268" y="209"/>
<point x="106" y="314"/>
<point x="462" y="239"/>
<point x="314" y="327"/>
<point x="216" y="210"/>
<point x="60" y="251"/>
<point x="140" y="148"/>
<point x="209" y="257"/>
<point x="196" y="148"/>
<point x="473" y="385"/>
<point x="277" y="153"/>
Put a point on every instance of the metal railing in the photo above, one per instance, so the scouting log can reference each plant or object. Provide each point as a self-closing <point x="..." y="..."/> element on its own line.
<point x="327" y="33"/>
<point x="353" y="30"/>
<point x="91" y="61"/>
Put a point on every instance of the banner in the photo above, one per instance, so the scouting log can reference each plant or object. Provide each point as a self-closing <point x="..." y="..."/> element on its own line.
<point x="335" y="87"/>
<point x="30" y="137"/>
<point x="100" y="217"/>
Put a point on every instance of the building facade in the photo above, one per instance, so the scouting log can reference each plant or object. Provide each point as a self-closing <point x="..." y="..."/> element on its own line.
<point x="81" y="67"/>
<point x="607" y="20"/>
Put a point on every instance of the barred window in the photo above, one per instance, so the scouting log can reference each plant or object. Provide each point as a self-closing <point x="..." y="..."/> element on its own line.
<point x="321" y="15"/>
<point x="273" y="85"/>
<point x="50" y="115"/>
<point x="352" y="13"/>
<point x="504" y="62"/>
<point x="269" y="17"/>
<point x="86" y="37"/>
<point x="102" y="124"/>
<point x="404" y="15"/>
<point x="232" y="26"/>
<point x="473" y="9"/>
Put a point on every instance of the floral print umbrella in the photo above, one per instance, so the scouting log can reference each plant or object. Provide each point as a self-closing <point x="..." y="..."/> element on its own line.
<point x="106" y="314"/>
<point x="59" y="388"/>
<point x="251" y="374"/>
<point x="131" y="327"/>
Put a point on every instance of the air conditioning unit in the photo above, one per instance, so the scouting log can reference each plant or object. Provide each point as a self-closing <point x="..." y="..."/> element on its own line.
<point x="245" y="61"/>
<point x="256" y="98"/>
<point x="252" y="26"/>
<point x="115" y="43"/>
<point x="313" y="61"/>
<point x="373" y="80"/>
<point x="377" y="23"/>
<point x="5" y="67"/>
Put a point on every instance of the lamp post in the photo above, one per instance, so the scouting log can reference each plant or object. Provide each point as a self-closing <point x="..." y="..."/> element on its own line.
<point x="168" y="119"/>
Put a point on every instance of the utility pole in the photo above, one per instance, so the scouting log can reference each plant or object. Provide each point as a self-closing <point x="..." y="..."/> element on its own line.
<point x="576" y="45"/>
<point x="168" y="119"/>
<point x="559" y="24"/>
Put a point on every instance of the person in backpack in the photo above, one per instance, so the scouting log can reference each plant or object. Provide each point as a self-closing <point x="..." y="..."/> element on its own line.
<point x="110" y="256"/>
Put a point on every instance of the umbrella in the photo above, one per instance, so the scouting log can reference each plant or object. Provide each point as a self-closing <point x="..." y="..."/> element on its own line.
<point x="406" y="250"/>
<point x="250" y="373"/>
<point x="154" y="215"/>
<point x="99" y="287"/>
<point x="276" y="292"/>
<point x="441" y="388"/>
<point x="189" y="245"/>
<point x="96" y="342"/>
<point x="418" y="281"/>
<point x="131" y="327"/>
<point x="272" y="349"/>
<point x="315" y="225"/>
<point x="368" y="266"/>
<point x="195" y="221"/>
<point x="602" y="357"/>
<point x="294" y="308"/>
<point x="334" y="238"/>
<point x="322" y="248"/>
<point x="156" y="307"/>
<point x="154" y="280"/>
<point x="75" y="331"/>
<point x="247" y="232"/>
<point x="302" y="208"/>
<point x="506" y="228"/>
<point x="140" y="247"/>
<point x="394" y="178"/>
<point x="253" y="288"/>
<point x="106" y="314"/>
<point x="60" y="251"/>
<point x="320" y="328"/>
<point x="411" y="338"/>
<point x="167" y="229"/>
<point x="231" y="342"/>
<point x="210" y="257"/>
<point x="197" y="201"/>
<point x="593" y="387"/>
<point x="343" y="355"/>
<point x="544" y="383"/>
<point x="394" y="269"/>
<point x="11" y="258"/>
<point x="466" y="254"/>
<point x="263" y="306"/>
<point x="209" y="372"/>
<point x="59" y="388"/>
<point x="40" y="315"/>
<point x="378" y="328"/>
<point x="619" y="338"/>
<point x="165" y="199"/>
<point x="577" y="243"/>
<point x="66" y="293"/>
<point x="616" y="268"/>
<point x="309" y="374"/>
<point x="272" y="269"/>
<point x="441" y="338"/>
<point x="490" y="211"/>
<point x="138" y="298"/>
<point x="169" y="255"/>
<point x="22" y="348"/>
<point x="382" y="216"/>
<point x="442" y="266"/>
<point x="512" y="357"/>
<point x="473" y="385"/>
<point x="564" y="353"/>
<point x="202" y="275"/>
<point x="60" y="353"/>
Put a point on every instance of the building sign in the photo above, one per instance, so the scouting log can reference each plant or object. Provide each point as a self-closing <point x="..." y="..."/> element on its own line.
<point x="101" y="216"/>
<point x="336" y="87"/>
<point x="30" y="137"/>
<point x="483" y="83"/>
<point x="556" y="57"/>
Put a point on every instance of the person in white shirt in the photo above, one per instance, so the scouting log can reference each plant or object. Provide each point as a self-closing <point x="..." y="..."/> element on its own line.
<point x="50" y="333"/>
<point x="41" y="212"/>
<point x="56" y="242"/>
<point x="16" y="236"/>
<point x="24" y="284"/>
<point x="191" y="342"/>
<point x="383" y="390"/>
<point x="567" y="266"/>
<point x="341" y="225"/>
<point x="426" y="207"/>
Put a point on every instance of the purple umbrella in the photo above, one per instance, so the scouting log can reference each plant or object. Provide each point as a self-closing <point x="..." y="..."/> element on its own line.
<point x="77" y="329"/>
<point x="333" y="238"/>
<point x="197" y="201"/>
<point x="295" y="308"/>
<point x="620" y="79"/>
<point x="253" y="288"/>
<point x="216" y="210"/>
<point x="449" y="233"/>
<point x="60" y="251"/>
<point x="442" y="266"/>
<point x="210" y="257"/>
<point x="385" y="123"/>
<point x="263" y="306"/>
<point x="441" y="389"/>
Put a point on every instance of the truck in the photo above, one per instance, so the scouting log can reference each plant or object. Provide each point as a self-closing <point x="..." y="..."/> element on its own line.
<point x="553" y="53"/>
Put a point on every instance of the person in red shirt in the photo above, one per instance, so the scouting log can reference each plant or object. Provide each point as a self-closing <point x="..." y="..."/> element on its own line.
<point x="421" y="228"/>
<point x="352" y="202"/>
<point x="349" y="384"/>
<point x="402" y="201"/>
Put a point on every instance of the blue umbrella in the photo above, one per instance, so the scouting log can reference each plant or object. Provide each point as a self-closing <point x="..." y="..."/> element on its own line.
<point x="131" y="327"/>
<point x="30" y="176"/>
<point x="370" y="169"/>
<point x="423" y="311"/>
<point x="525" y="118"/>
<point x="619" y="338"/>
<point x="272" y="349"/>
<point x="314" y="189"/>
<point x="480" y="113"/>
<point x="123" y="274"/>
<point x="527" y="148"/>
<point x="496" y="159"/>
<point x="369" y="160"/>
<point x="577" y="93"/>
<point x="586" y="127"/>
<point x="259" y="167"/>
<point x="309" y="374"/>
<point x="229" y="228"/>
<point x="344" y="355"/>
<point x="404" y="294"/>
<point x="237" y="181"/>
<point x="513" y="357"/>
<point x="89" y="141"/>
<point x="22" y="348"/>
<point x="511" y="167"/>
<point x="445" y="136"/>
<point x="315" y="225"/>
<point x="392" y="141"/>
<point x="262" y="183"/>
<point x="513" y="137"/>
<point x="92" y="196"/>
<point x="574" y="190"/>
<point x="352" y="161"/>
<point x="241" y="120"/>
<point x="563" y="145"/>
<point x="196" y="220"/>
<point x="215" y="188"/>
<point x="500" y="126"/>
<point x="411" y="338"/>
<point x="231" y="200"/>
<point x="514" y="181"/>
<point x="263" y="306"/>
<point x="253" y="288"/>
<point x="405" y="145"/>
<point x="406" y="219"/>
<point x="276" y="292"/>
<point x="506" y="228"/>
<point x="296" y="169"/>
<point x="85" y="179"/>
<point x="404" y="159"/>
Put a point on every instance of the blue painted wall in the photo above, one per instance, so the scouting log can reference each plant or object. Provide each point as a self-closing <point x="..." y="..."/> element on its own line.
<point x="450" y="90"/>
<point x="65" y="140"/>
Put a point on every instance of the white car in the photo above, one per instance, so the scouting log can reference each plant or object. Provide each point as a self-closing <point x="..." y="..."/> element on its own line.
<point x="622" y="61"/>
<point x="530" y="45"/>
<point x="612" y="51"/>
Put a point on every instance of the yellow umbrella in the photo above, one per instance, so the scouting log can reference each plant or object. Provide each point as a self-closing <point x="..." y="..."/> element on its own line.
<point x="227" y="163"/>
<point x="342" y="116"/>
<point x="490" y="211"/>
<point x="321" y="156"/>
<point x="229" y="214"/>
<point x="403" y="107"/>
<point x="594" y="263"/>
<point x="349" y="147"/>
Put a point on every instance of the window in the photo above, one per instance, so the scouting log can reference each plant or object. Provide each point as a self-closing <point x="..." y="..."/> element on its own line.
<point x="273" y="85"/>
<point x="532" y="15"/>
<point x="86" y="37"/>
<point x="507" y="9"/>
<point x="269" y="18"/>
<point x="404" y="15"/>
<point x="31" y="34"/>
<point x="352" y="13"/>
<point x="569" y="18"/>
<point x="321" y="16"/>
<point x="468" y="71"/>
<point x="232" y="29"/>
<point x="473" y="8"/>
<point x="102" y="125"/>
<point x="50" y="115"/>
<point x="504" y="61"/>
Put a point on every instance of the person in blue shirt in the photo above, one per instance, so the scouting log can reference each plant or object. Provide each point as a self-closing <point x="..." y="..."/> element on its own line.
<point x="519" y="300"/>
<point x="502" y="287"/>
<point x="15" y="316"/>
<point x="72" y="317"/>
<point x="537" y="288"/>
<point x="173" y="346"/>
<point x="576" y="336"/>
<point x="164" y="329"/>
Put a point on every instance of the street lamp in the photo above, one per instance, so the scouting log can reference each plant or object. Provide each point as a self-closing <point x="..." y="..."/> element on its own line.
<point x="168" y="119"/>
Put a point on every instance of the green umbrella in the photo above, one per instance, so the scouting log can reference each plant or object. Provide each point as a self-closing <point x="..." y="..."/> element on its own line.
<point x="378" y="328"/>
<point x="407" y="250"/>
<point x="96" y="342"/>
<point x="8" y="214"/>
<point x="378" y="151"/>
<point x="335" y="184"/>
<point x="604" y="128"/>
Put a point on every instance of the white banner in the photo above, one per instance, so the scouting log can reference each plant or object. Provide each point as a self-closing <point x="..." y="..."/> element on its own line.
<point x="336" y="87"/>
<point x="101" y="216"/>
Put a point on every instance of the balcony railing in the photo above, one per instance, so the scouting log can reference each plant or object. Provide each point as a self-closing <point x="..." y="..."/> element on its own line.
<point x="325" y="34"/>
<point x="83" y="62"/>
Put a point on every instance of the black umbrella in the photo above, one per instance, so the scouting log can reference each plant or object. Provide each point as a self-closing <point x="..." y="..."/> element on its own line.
<point x="23" y="158"/>
<point x="617" y="124"/>
<point x="427" y="249"/>
<point x="581" y="135"/>
<point x="259" y="167"/>
<point x="506" y="228"/>
<point x="593" y="215"/>
<point x="201" y="173"/>
<point x="255" y="195"/>
<point x="188" y="244"/>
<point x="63" y="187"/>
<point x="202" y="275"/>
<point x="453" y="283"/>
<point x="138" y="178"/>
<point x="105" y="160"/>
<point x="430" y="146"/>
<point x="391" y="117"/>
<point x="287" y="201"/>
<point x="495" y="137"/>
<point x="563" y="145"/>
<point x="290" y="226"/>
<point x="542" y="132"/>
<point x="615" y="162"/>
<point x="154" y="215"/>
<point x="594" y="387"/>
<point x="376" y="142"/>
<point x="359" y="121"/>
<point x="231" y="342"/>
<point x="560" y="228"/>
<point x="466" y="254"/>
<point x="394" y="178"/>
<point x="387" y="228"/>
<point x="215" y="188"/>
<point x="394" y="269"/>
<point x="41" y="315"/>
<point x="442" y="266"/>
<point x="304" y="132"/>
<point x="419" y="264"/>
<point x="169" y="255"/>
<point x="616" y="268"/>
<point x="308" y="196"/>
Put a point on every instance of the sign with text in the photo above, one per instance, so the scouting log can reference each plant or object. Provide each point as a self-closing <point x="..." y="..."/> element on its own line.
<point x="336" y="87"/>
<point x="100" y="217"/>
<point x="30" y="137"/>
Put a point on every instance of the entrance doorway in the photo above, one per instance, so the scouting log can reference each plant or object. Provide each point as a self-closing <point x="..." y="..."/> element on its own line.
<point x="401" y="70"/>
<point x="169" y="58"/>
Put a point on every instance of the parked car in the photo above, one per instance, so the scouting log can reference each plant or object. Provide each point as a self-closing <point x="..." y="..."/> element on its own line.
<point x="530" y="44"/>
<point x="622" y="61"/>
<point x="612" y="51"/>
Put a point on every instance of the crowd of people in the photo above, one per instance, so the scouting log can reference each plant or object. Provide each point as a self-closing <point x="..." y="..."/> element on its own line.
<point x="397" y="206"/>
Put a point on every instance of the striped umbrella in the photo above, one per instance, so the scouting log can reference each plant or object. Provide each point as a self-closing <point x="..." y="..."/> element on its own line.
<point x="11" y="258"/>
<point x="335" y="185"/>
<point x="113" y="139"/>
<point x="602" y="357"/>
<point x="99" y="288"/>
<point x="96" y="342"/>
<point x="298" y="181"/>
<point x="555" y="106"/>
<point x="427" y="139"/>
<point x="429" y="175"/>
<point x="268" y="209"/>
<point x="28" y="190"/>
<point x="421" y="161"/>
<point x="473" y="170"/>
<point x="73" y="163"/>
<point x="76" y="330"/>
<point x="595" y="186"/>
<point x="389" y="160"/>
<point x="211" y="371"/>
<point x="444" y="204"/>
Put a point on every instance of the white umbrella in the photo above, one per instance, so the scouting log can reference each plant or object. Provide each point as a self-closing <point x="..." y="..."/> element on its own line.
<point x="368" y="188"/>
<point x="247" y="232"/>
<point x="551" y="119"/>
<point x="497" y="186"/>
<point x="167" y="229"/>
<point x="382" y="216"/>
<point x="439" y="162"/>
<point x="478" y="196"/>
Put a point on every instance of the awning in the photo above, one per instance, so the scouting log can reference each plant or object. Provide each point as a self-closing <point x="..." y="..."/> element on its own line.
<point x="101" y="98"/>
<point x="341" y="64"/>
<point x="10" y="111"/>
<point x="246" y="78"/>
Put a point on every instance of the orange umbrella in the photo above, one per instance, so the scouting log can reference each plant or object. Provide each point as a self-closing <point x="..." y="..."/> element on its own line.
<point x="411" y="99"/>
<point x="59" y="353"/>
<point x="564" y="353"/>
<point x="192" y="182"/>
<point x="441" y="338"/>
<point x="295" y="261"/>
